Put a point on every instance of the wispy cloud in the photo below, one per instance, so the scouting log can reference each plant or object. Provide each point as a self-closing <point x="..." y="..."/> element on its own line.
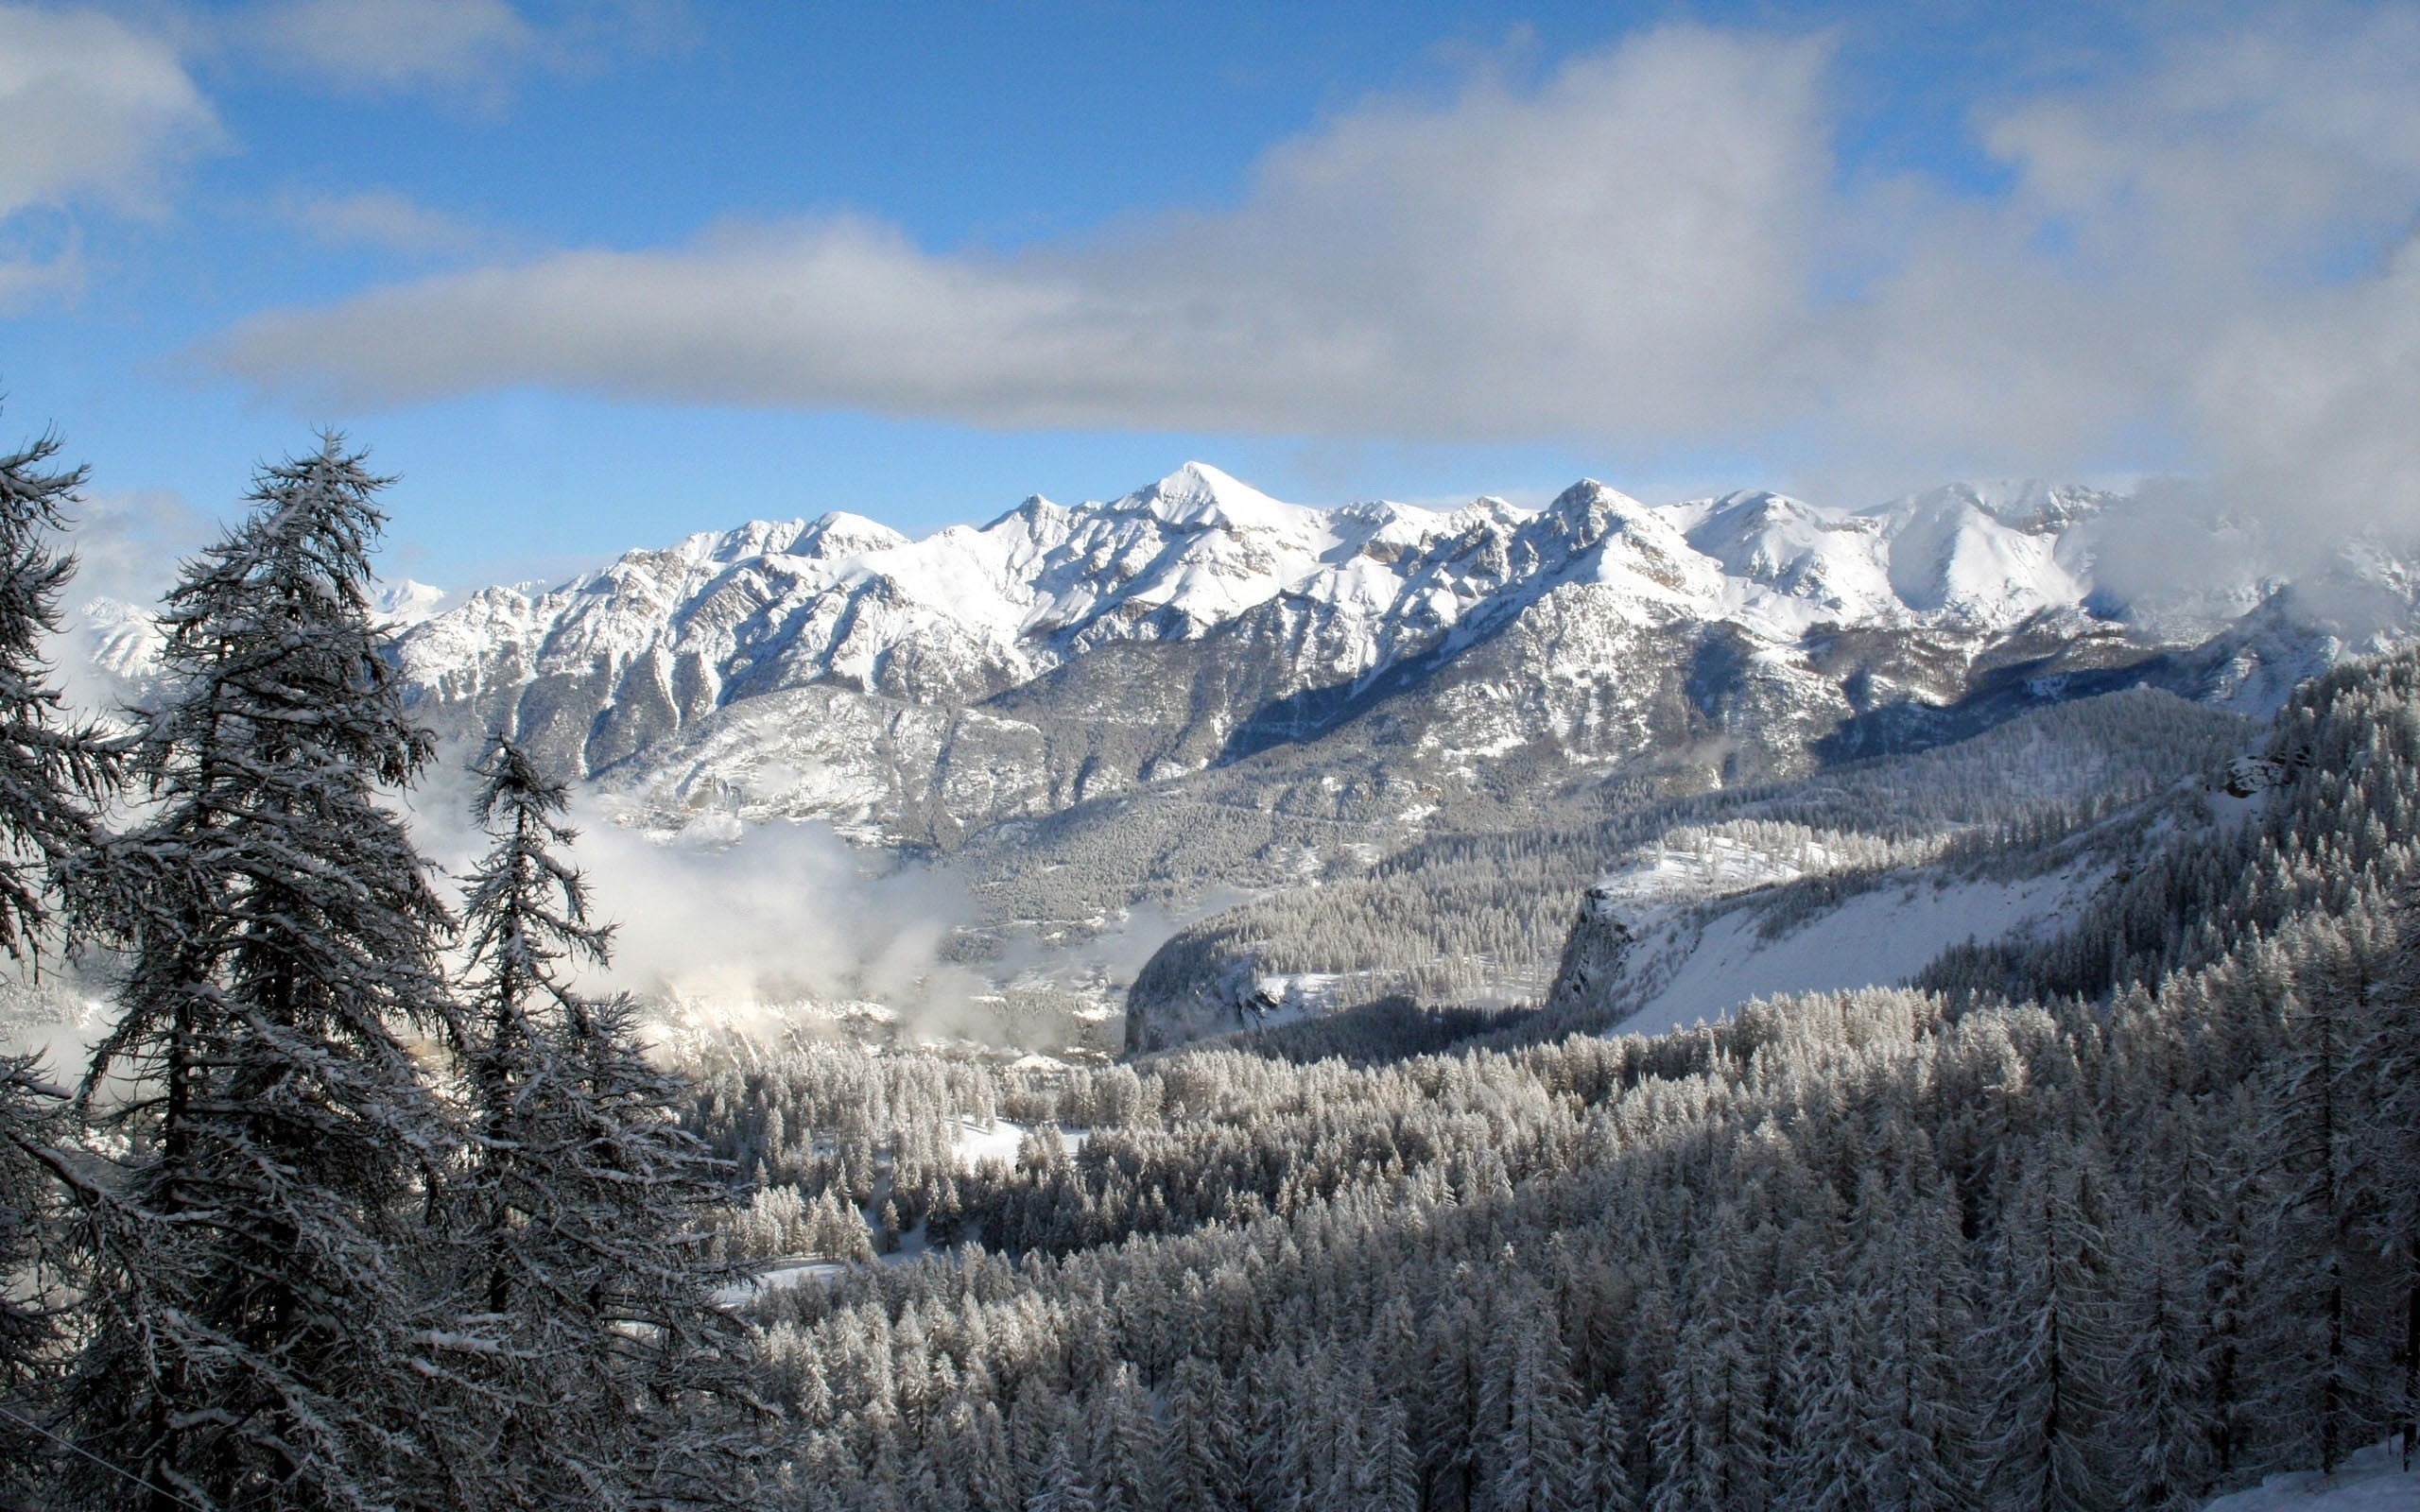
<point x="90" y="108"/>
<point x="390" y="47"/>
<point x="384" y="220"/>
<point x="1654" y="246"/>
<point x="92" y="111"/>
<point x="471" y="49"/>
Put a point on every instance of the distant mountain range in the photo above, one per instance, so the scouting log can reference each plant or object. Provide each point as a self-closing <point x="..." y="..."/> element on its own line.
<point x="917" y="692"/>
<point x="1197" y="690"/>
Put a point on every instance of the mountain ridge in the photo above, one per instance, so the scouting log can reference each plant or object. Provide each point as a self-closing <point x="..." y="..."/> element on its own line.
<point x="1315" y="609"/>
<point x="1197" y="691"/>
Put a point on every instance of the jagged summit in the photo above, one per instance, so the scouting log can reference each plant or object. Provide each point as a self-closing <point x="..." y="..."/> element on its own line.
<point x="1197" y="494"/>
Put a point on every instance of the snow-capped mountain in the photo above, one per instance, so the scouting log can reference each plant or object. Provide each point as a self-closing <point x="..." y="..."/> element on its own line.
<point x="121" y="641"/>
<point x="918" y="691"/>
<point x="1197" y="690"/>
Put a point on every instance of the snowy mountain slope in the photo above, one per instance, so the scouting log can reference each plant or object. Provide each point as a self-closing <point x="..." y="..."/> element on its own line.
<point x="1656" y="944"/>
<point x="1197" y="687"/>
<point x="1687" y="929"/>
<point x="121" y="641"/>
<point x="607" y="663"/>
<point x="1653" y="961"/>
<point x="1676" y="896"/>
<point x="1198" y="621"/>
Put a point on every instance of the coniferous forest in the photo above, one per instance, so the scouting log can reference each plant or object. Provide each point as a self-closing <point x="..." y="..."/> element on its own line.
<point x="363" y="1201"/>
<point x="328" y="1221"/>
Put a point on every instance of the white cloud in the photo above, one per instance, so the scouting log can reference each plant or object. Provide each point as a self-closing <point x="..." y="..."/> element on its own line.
<point x="740" y="917"/>
<point x="1399" y="270"/>
<point x="466" y="48"/>
<point x="128" y="543"/>
<point x="387" y="46"/>
<point x="1647" y="248"/>
<point x="773" y="914"/>
<point x="381" y="218"/>
<point x="90" y="112"/>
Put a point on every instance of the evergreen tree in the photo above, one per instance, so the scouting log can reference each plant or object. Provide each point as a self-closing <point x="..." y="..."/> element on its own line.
<point x="1835" y="1448"/>
<point x="32" y="1126"/>
<point x="2169" y="1426"/>
<point x="610" y="1372"/>
<point x="253" y="1337"/>
<point x="1538" y="1453"/>
<point x="54" y="772"/>
<point x="1390" y="1472"/>
<point x="2321" y="1367"/>
<point x="2053" y="1340"/>
<point x="1126" y="1454"/>
<point x="1202" y="1438"/>
<point x="54" y="775"/>
<point x="1063" y="1487"/>
<point x="2389" y="1061"/>
<point x="1920" y="1418"/>
<point x="1604" y="1442"/>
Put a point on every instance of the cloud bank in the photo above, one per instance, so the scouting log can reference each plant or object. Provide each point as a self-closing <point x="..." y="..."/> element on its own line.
<point x="2207" y="257"/>
<point x="773" y="915"/>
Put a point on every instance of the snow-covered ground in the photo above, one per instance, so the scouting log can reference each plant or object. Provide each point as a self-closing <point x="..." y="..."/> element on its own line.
<point x="2372" y="1481"/>
<point x="975" y="1143"/>
<point x="1874" y="939"/>
<point x="778" y="1279"/>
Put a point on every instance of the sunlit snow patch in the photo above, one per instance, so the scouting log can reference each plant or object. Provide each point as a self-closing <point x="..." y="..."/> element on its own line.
<point x="2373" y="1480"/>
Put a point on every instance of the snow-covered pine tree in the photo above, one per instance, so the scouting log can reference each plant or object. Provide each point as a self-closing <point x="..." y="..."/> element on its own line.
<point x="31" y="1129"/>
<point x="2388" y="1057"/>
<point x="1604" y="1444"/>
<point x="1127" y="1458"/>
<point x="2322" y="1368"/>
<point x="612" y="1378"/>
<point x="1922" y="1423"/>
<point x="252" y="1337"/>
<point x="1538" y="1462"/>
<point x="2052" y="1299"/>
<point x="1063" y="1487"/>
<point x="1202" y="1439"/>
<point x="2164" y="1382"/>
<point x="54" y="775"/>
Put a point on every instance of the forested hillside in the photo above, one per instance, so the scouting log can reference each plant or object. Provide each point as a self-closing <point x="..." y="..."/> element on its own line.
<point x="1482" y="916"/>
<point x="2121" y="1221"/>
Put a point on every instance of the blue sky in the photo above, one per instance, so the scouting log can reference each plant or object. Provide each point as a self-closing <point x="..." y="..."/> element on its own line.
<point x="591" y="276"/>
